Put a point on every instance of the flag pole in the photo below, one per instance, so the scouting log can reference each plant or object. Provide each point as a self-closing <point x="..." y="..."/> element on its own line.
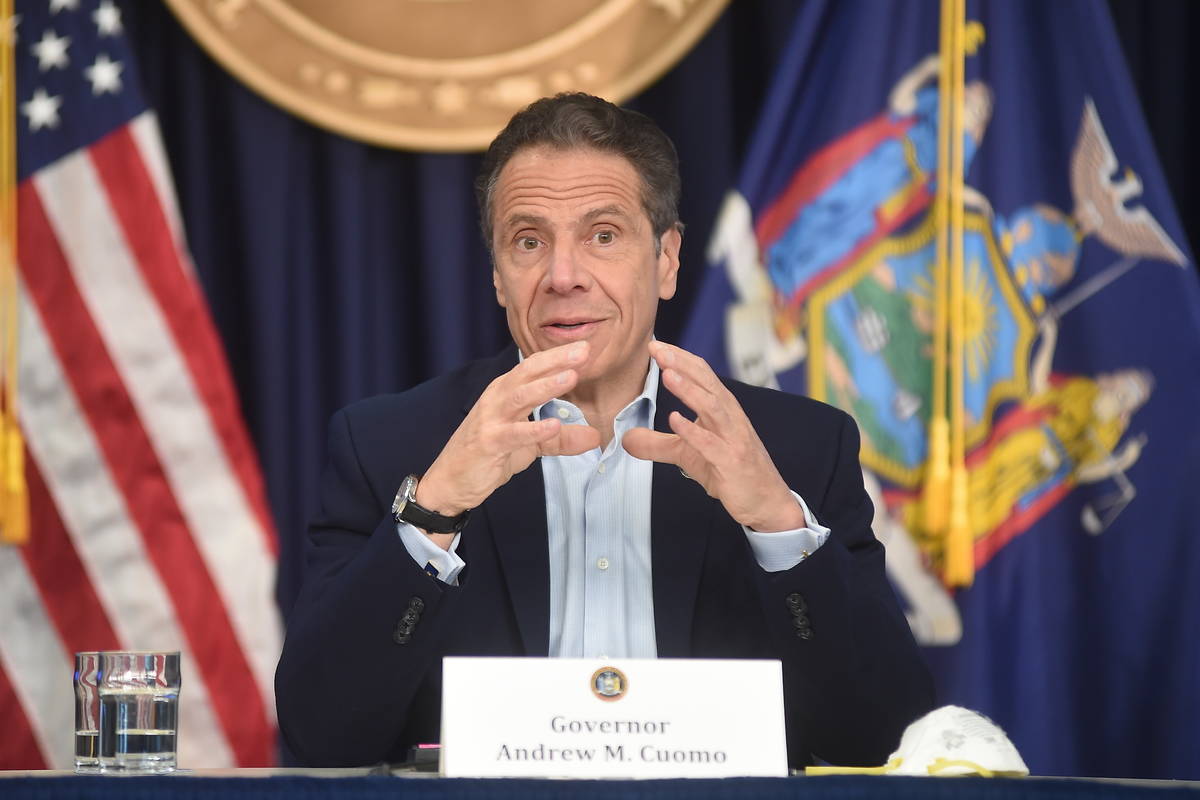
<point x="935" y="491"/>
<point x="960" y="562"/>
<point x="14" y="496"/>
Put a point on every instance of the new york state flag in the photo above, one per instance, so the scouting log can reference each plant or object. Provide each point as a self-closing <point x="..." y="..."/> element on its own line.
<point x="1027" y="396"/>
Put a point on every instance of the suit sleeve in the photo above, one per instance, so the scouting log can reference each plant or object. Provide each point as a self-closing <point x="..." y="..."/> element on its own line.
<point x="852" y="671"/>
<point x="363" y="635"/>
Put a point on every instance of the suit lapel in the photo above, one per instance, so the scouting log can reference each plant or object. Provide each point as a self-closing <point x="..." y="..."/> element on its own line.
<point x="681" y="515"/>
<point x="516" y="513"/>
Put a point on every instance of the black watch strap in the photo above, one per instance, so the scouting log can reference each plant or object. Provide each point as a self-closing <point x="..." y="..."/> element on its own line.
<point x="406" y="509"/>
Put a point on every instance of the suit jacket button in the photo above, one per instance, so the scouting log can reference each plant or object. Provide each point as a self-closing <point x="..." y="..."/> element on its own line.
<point x="403" y="632"/>
<point x="795" y="601"/>
<point x="805" y="633"/>
<point x="416" y="604"/>
<point x="800" y="621"/>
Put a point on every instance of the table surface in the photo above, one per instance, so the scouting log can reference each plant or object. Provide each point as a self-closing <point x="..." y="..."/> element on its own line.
<point x="367" y="784"/>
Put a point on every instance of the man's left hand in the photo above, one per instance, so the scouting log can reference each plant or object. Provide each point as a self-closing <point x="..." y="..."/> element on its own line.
<point x="720" y="450"/>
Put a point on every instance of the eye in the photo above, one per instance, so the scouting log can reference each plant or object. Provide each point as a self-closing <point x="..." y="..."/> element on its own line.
<point x="527" y="243"/>
<point x="604" y="237"/>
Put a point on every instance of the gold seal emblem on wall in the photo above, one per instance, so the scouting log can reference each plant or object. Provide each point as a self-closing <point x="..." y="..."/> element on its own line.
<point x="440" y="74"/>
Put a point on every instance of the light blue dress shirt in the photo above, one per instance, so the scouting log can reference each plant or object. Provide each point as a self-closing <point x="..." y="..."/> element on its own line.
<point x="598" y="522"/>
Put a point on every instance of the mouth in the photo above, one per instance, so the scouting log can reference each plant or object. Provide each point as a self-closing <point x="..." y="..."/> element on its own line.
<point x="570" y="329"/>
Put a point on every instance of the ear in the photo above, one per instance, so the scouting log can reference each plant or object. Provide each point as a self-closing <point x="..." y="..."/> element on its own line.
<point x="499" y="288"/>
<point x="668" y="261"/>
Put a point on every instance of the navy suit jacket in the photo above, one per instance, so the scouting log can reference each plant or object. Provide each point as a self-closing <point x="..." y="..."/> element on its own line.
<point x="359" y="680"/>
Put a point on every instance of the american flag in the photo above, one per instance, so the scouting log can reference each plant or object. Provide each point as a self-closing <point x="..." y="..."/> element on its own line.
<point x="149" y="527"/>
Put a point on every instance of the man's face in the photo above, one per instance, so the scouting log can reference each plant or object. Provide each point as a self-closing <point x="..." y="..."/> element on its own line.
<point x="574" y="256"/>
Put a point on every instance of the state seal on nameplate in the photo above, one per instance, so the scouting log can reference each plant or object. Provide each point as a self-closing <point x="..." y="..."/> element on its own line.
<point x="609" y="684"/>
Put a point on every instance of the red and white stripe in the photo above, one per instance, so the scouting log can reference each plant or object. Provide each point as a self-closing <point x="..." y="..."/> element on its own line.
<point x="149" y="524"/>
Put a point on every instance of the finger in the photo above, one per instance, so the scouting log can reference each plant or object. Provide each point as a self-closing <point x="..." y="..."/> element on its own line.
<point x="709" y="407"/>
<point x="521" y="399"/>
<point x="517" y="435"/>
<point x="651" y="445"/>
<point x="692" y="366"/>
<point x="571" y="441"/>
<point x="709" y="446"/>
<point x="545" y="362"/>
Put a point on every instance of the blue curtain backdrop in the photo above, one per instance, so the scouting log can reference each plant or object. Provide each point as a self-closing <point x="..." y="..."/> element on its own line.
<point x="337" y="270"/>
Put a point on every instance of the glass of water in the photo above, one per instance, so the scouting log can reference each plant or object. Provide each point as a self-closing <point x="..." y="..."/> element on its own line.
<point x="87" y="712"/>
<point x="139" y="708"/>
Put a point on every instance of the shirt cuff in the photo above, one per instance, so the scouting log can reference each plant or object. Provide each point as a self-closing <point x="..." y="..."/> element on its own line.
<point x="776" y="552"/>
<point x="441" y="564"/>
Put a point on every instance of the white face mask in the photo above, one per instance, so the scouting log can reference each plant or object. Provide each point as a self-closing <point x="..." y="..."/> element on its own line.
<point x="948" y="741"/>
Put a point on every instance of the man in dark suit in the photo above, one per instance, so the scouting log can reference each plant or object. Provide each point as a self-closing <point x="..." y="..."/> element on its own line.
<point x="512" y="507"/>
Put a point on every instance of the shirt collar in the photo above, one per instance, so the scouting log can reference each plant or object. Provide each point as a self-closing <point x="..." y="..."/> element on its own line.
<point x="639" y="413"/>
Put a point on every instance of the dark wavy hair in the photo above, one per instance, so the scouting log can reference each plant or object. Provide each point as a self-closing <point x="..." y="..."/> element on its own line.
<point x="577" y="120"/>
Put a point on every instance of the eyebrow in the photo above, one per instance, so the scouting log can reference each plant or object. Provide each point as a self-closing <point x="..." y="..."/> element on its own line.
<point x="523" y="219"/>
<point x="605" y="211"/>
<point x="535" y="220"/>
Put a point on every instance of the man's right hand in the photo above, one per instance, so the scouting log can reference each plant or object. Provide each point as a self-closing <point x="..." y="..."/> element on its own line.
<point x="498" y="440"/>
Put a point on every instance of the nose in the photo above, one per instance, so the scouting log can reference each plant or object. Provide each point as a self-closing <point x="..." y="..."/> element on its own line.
<point x="566" y="271"/>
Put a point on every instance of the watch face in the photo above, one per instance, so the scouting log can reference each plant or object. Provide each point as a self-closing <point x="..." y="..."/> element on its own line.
<point x="407" y="490"/>
<point x="405" y="509"/>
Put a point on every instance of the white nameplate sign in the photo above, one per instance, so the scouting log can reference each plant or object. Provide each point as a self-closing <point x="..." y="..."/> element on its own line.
<point x="624" y="718"/>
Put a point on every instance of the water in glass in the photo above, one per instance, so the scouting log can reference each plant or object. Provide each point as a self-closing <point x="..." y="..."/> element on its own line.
<point x="139" y="709"/>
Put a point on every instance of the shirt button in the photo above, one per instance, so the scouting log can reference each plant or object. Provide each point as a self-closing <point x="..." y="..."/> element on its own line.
<point x="563" y="413"/>
<point x="600" y="468"/>
<point x="602" y="563"/>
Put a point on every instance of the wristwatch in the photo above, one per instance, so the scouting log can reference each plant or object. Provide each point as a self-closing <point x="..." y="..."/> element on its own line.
<point x="405" y="509"/>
